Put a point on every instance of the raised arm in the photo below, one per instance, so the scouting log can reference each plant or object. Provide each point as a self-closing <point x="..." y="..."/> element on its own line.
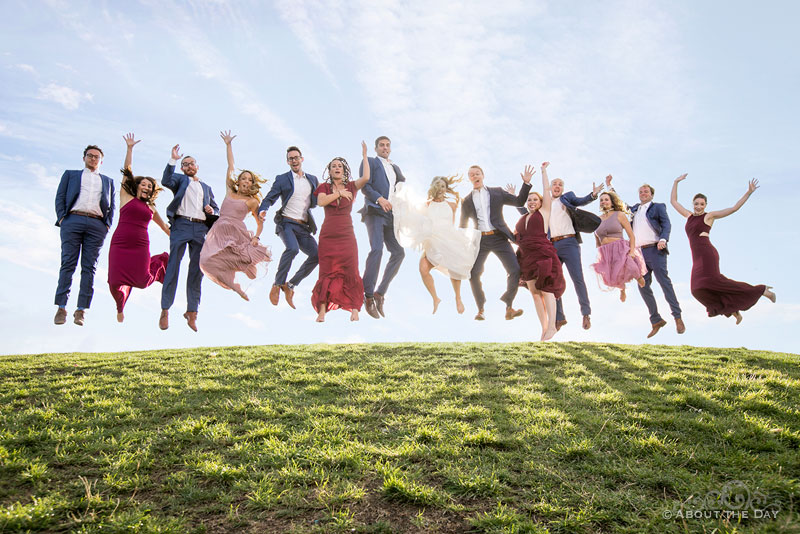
<point x="364" y="178"/>
<point x="228" y="138"/>
<point x="626" y="225"/>
<point x="168" y="178"/>
<point x="673" y="197"/>
<point x="719" y="214"/>
<point x="130" y="142"/>
<point x="547" y="197"/>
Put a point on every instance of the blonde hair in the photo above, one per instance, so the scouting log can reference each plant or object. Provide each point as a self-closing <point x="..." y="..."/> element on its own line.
<point x="255" y="188"/>
<point x="538" y="194"/>
<point x="441" y="186"/>
<point x="616" y="203"/>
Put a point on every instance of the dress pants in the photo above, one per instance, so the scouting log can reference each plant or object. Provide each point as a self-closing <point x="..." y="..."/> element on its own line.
<point x="498" y="244"/>
<point x="296" y="237"/>
<point x="569" y="252"/>
<point x="80" y="236"/>
<point x="656" y="262"/>
<point x="380" y="230"/>
<point x="184" y="232"/>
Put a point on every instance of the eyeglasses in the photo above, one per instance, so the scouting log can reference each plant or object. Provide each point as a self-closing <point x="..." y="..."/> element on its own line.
<point x="188" y="163"/>
<point x="93" y="156"/>
<point x="294" y="158"/>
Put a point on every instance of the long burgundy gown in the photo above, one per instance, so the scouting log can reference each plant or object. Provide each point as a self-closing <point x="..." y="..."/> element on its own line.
<point x="339" y="283"/>
<point x="129" y="262"/>
<point x="538" y="259"/>
<point x="720" y="295"/>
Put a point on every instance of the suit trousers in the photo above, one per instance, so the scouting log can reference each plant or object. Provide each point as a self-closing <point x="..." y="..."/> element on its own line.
<point x="80" y="236"/>
<point x="380" y="230"/>
<point x="184" y="232"/>
<point x="569" y="252"/>
<point x="501" y="247"/>
<point x="296" y="237"/>
<point x="656" y="262"/>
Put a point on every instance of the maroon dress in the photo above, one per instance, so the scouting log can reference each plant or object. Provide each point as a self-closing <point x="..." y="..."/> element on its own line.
<point x="339" y="283"/>
<point x="538" y="259"/>
<point x="720" y="295"/>
<point x="129" y="261"/>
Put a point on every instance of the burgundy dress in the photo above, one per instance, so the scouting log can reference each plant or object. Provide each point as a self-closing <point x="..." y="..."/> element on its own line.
<point x="538" y="259"/>
<point x="339" y="283"/>
<point x="720" y="295"/>
<point x="129" y="261"/>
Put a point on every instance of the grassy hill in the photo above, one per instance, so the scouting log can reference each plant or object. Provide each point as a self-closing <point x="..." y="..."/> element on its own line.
<point x="485" y="438"/>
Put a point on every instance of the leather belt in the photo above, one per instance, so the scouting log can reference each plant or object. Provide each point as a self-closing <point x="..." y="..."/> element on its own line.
<point x="85" y="214"/>
<point x="490" y="232"/>
<point x="190" y="219"/>
<point x="648" y="246"/>
<point x="559" y="238"/>
<point x="298" y="221"/>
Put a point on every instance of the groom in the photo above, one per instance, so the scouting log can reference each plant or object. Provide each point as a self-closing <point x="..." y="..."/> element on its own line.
<point x="484" y="205"/>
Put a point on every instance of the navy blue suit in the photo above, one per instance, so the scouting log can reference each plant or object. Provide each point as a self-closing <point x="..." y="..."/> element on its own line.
<point x="295" y="236"/>
<point x="656" y="262"/>
<point x="569" y="249"/>
<point x="498" y="243"/>
<point x="184" y="232"/>
<point x="80" y="236"/>
<point x="380" y="228"/>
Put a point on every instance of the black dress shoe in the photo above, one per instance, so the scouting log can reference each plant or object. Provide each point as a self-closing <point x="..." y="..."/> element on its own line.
<point x="369" y="305"/>
<point x="379" y="303"/>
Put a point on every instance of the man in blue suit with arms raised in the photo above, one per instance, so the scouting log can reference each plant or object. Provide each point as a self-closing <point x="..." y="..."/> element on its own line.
<point x="84" y="212"/>
<point x="377" y="215"/>
<point x="294" y="223"/>
<point x="187" y="213"/>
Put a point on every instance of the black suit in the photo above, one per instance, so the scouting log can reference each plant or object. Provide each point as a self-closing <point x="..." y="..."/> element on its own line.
<point x="498" y="243"/>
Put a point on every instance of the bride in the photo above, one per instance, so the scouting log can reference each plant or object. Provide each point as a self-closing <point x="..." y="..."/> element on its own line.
<point x="431" y="227"/>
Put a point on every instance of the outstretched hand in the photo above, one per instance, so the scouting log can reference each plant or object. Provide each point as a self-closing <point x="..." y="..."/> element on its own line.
<point x="545" y="165"/>
<point x="597" y="188"/>
<point x="752" y="186"/>
<point x="176" y="152"/>
<point x="129" y="140"/>
<point x="608" y="181"/>
<point x="226" y="136"/>
<point x="510" y="189"/>
<point x="363" y="149"/>
<point x="528" y="174"/>
<point x="682" y="177"/>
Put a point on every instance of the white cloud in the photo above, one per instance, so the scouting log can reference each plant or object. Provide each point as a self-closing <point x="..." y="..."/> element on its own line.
<point x="43" y="177"/>
<point x="29" y="238"/>
<point x="247" y="321"/>
<point x="26" y="68"/>
<point x="66" y="96"/>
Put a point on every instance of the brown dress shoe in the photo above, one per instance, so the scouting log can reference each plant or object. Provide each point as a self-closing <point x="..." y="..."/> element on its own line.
<point x="656" y="327"/>
<point x="560" y="323"/>
<point x="163" y="321"/>
<point x="479" y="316"/>
<point x="61" y="316"/>
<point x="288" y="292"/>
<point x="274" y="295"/>
<point x="587" y="322"/>
<point x="78" y="317"/>
<point x="679" y="326"/>
<point x="379" y="303"/>
<point x="511" y="313"/>
<point x="369" y="305"/>
<point x="191" y="319"/>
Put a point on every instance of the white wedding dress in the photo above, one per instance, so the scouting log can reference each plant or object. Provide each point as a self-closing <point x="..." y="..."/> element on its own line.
<point x="431" y="228"/>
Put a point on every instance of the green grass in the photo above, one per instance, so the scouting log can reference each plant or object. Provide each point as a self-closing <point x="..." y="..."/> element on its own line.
<point x="483" y="438"/>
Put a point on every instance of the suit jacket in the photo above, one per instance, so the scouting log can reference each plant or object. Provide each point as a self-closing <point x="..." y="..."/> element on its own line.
<point x="497" y="199"/>
<point x="582" y="221"/>
<point x="377" y="186"/>
<point x="177" y="183"/>
<point x="283" y="187"/>
<point x="658" y="219"/>
<point x="70" y="187"/>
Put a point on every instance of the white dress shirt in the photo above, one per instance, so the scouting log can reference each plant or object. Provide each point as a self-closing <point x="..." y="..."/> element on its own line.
<point x="192" y="203"/>
<point x="390" y="174"/>
<point x="560" y="223"/>
<point x="482" y="210"/>
<point x="91" y="190"/>
<point x="642" y="231"/>
<point x="298" y="204"/>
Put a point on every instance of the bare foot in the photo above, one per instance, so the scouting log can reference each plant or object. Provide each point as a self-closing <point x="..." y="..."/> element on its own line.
<point x="121" y="316"/>
<point x="770" y="294"/>
<point x="622" y="295"/>
<point x="738" y="317"/>
<point x="436" y="302"/>
<point x="460" y="307"/>
<point x="354" y="315"/>
<point x="549" y="333"/>
<point x="321" y="314"/>
<point x="640" y="281"/>
<point x="241" y="293"/>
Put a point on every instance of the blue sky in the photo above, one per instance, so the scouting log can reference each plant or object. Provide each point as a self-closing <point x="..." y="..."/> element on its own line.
<point x="642" y="90"/>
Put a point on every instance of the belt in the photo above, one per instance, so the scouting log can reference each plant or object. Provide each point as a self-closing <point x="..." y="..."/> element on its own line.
<point x="190" y="219"/>
<point x="490" y="232"/>
<point x="85" y="214"/>
<point x="298" y="221"/>
<point x="559" y="238"/>
<point x="648" y="246"/>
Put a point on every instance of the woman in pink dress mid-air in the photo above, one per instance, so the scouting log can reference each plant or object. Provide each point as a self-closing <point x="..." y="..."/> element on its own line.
<point x="230" y="247"/>
<point x="129" y="262"/>
<point x="720" y="295"/>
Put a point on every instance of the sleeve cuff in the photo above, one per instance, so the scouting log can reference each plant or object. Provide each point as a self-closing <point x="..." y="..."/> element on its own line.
<point x="173" y="162"/>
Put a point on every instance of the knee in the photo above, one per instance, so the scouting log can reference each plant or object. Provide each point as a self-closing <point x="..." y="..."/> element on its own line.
<point x="291" y="251"/>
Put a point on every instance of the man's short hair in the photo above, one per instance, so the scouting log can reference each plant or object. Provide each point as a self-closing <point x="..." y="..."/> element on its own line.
<point x="184" y="158"/>
<point x="381" y="138"/>
<point x="556" y="180"/>
<point x="476" y="167"/>
<point x="92" y="147"/>
<point x="293" y="149"/>
<point x="651" y="188"/>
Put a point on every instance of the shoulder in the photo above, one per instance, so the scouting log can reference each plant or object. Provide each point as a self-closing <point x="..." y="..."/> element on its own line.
<point x="324" y="187"/>
<point x="312" y="178"/>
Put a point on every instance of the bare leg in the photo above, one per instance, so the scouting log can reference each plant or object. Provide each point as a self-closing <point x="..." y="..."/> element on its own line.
<point x="323" y="308"/>
<point x="550" y="306"/>
<point x="640" y="281"/>
<point x="354" y="314"/>
<point x="738" y="317"/>
<point x="538" y="303"/>
<point x="120" y="317"/>
<point x="770" y="294"/>
<point x="622" y="295"/>
<point x="425" y="272"/>
<point x="457" y="289"/>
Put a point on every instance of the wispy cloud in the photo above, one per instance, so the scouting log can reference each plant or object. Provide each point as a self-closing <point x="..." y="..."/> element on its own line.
<point x="66" y="96"/>
<point x="29" y="239"/>
<point x="297" y="16"/>
<point x="24" y="67"/>
<point x="44" y="178"/>
<point x="247" y="320"/>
